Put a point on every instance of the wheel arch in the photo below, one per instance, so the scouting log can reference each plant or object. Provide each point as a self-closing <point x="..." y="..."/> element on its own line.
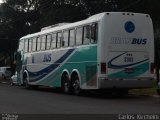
<point x="25" y="75"/>
<point x="75" y="72"/>
<point x="65" y="71"/>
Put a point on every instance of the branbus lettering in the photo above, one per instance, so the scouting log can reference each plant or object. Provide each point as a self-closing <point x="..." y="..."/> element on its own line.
<point x="139" y="41"/>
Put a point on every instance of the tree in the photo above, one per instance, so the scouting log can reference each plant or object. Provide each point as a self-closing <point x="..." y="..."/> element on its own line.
<point x="17" y="18"/>
<point x="21" y="17"/>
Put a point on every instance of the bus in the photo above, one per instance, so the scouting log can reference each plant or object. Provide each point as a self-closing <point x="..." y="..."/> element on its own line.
<point x="109" y="50"/>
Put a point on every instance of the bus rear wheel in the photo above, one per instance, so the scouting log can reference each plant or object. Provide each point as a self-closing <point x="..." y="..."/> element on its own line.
<point x="65" y="84"/>
<point x="76" y="85"/>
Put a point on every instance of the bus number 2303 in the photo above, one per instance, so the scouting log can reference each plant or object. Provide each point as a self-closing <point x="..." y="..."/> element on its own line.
<point x="128" y="59"/>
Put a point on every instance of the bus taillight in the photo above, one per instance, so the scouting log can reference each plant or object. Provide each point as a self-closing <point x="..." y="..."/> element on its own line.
<point x="152" y="68"/>
<point x="103" y="68"/>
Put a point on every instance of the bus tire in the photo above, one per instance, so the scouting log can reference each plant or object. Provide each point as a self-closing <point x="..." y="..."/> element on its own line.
<point x="76" y="85"/>
<point x="65" y="83"/>
<point x="25" y="83"/>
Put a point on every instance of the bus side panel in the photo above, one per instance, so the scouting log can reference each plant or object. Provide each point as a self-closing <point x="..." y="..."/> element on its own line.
<point x="49" y="70"/>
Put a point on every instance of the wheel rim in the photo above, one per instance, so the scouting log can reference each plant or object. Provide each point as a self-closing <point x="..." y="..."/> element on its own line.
<point x="66" y="87"/>
<point x="76" y="86"/>
<point x="65" y="84"/>
<point x="26" y="83"/>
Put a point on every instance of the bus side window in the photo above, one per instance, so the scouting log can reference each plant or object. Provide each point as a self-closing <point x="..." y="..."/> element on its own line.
<point x="94" y="33"/>
<point x="30" y="45"/>
<point x="86" y="34"/>
<point x="21" y="45"/>
<point x="26" y="45"/>
<point x="34" y="44"/>
<point x="79" y="35"/>
<point x="71" y="37"/>
<point x="43" y="42"/>
<point x="53" y="43"/>
<point x="48" y="44"/>
<point x="38" y="44"/>
<point x="65" y="38"/>
<point x="59" y="39"/>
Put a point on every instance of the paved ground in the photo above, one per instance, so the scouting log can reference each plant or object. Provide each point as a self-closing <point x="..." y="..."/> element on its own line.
<point x="50" y="101"/>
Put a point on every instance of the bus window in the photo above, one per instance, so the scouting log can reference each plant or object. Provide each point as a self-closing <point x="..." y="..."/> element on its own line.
<point x="43" y="42"/>
<point x="21" y="45"/>
<point x="86" y="34"/>
<point x="48" y="44"/>
<point x="53" y="43"/>
<point x="59" y="38"/>
<point x="34" y="44"/>
<point x="38" y="44"/>
<point x="94" y="33"/>
<point x="26" y="45"/>
<point x="79" y="34"/>
<point x="71" y="37"/>
<point x="65" y="38"/>
<point x="30" y="45"/>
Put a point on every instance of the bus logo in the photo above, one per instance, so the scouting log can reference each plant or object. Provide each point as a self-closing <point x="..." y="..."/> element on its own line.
<point x="129" y="26"/>
<point x="139" y="41"/>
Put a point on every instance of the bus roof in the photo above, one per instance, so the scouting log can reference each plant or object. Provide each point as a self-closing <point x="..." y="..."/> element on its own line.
<point x="91" y="19"/>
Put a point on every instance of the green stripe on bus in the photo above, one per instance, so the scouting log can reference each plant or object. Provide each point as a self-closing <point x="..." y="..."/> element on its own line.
<point x="84" y="60"/>
<point x="137" y="71"/>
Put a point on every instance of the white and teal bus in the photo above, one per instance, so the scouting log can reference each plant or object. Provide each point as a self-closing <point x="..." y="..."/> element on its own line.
<point x="107" y="50"/>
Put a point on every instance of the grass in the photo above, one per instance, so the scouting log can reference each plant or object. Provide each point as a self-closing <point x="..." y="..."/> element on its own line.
<point x="147" y="91"/>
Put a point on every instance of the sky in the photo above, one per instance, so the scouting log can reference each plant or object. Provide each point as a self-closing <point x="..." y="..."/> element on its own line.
<point x="0" y="1"/>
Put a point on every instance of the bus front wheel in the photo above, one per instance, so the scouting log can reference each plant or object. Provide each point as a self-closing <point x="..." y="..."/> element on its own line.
<point x="25" y="83"/>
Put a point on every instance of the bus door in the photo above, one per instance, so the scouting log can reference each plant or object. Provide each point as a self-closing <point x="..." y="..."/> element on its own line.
<point x="19" y="66"/>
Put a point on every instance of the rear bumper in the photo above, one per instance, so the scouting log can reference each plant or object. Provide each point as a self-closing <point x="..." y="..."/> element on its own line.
<point x="130" y="84"/>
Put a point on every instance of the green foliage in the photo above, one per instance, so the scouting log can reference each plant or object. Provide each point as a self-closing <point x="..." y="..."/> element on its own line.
<point x="21" y="17"/>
